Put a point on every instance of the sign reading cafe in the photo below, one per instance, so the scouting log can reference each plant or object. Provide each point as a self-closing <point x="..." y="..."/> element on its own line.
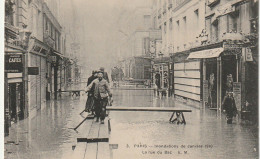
<point x="14" y="63"/>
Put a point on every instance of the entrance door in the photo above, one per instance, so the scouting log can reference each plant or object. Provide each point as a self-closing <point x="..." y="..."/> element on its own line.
<point x="229" y="73"/>
<point x="158" y="80"/>
<point x="12" y="101"/>
<point x="211" y="77"/>
<point x="16" y="101"/>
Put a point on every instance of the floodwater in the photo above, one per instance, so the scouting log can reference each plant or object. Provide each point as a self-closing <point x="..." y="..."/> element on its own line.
<point x="138" y="134"/>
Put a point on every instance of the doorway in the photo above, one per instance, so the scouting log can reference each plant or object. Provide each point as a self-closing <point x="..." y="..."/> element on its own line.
<point x="229" y="73"/>
<point x="16" y="105"/>
<point x="211" y="77"/>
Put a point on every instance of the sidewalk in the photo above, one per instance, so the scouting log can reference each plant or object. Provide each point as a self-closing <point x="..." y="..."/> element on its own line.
<point x="47" y="135"/>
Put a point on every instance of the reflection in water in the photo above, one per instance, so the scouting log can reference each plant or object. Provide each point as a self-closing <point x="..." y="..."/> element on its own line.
<point x="47" y="135"/>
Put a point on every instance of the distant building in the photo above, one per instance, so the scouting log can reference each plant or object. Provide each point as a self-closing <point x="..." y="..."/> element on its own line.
<point x="141" y="41"/>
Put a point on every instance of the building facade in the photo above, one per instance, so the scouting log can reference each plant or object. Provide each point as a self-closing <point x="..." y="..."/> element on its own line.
<point x="35" y="65"/>
<point x="180" y="23"/>
<point x="213" y="48"/>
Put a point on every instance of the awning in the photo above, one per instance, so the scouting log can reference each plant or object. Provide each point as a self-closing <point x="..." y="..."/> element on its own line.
<point x="211" y="53"/>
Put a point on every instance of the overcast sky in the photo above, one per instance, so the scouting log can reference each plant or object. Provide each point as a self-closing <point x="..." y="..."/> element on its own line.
<point x="97" y="21"/>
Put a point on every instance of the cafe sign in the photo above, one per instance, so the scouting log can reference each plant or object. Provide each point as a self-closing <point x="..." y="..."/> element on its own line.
<point x="14" y="63"/>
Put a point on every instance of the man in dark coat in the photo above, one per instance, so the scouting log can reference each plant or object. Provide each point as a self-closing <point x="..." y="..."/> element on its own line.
<point x="229" y="107"/>
<point x="90" y="101"/>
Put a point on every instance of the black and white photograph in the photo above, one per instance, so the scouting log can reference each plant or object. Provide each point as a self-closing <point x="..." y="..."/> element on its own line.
<point x="130" y="79"/>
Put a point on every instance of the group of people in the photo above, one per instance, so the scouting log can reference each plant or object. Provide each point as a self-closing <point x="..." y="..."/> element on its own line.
<point x="98" y="90"/>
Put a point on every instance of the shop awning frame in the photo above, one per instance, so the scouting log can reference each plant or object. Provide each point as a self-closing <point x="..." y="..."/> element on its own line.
<point x="211" y="53"/>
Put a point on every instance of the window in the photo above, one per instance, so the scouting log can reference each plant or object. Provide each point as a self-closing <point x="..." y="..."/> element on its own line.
<point x="214" y="32"/>
<point x="46" y="24"/>
<point x="147" y="21"/>
<point x="170" y="25"/>
<point x="196" y="23"/>
<point x="184" y="31"/>
<point x="164" y="28"/>
<point x="232" y="23"/>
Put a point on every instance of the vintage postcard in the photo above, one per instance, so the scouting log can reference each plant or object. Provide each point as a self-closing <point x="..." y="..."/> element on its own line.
<point x="130" y="79"/>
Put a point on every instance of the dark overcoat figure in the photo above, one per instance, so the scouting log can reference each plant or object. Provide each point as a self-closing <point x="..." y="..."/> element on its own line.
<point x="90" y="101"/>
<point x="229" y="107"/>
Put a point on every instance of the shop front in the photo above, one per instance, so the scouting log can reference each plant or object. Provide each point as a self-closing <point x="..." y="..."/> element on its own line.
<point x="14" y="65"/>
<point x="223" y="71"/>
<point x="186" y="76"/>
<point x="162" y="74"/>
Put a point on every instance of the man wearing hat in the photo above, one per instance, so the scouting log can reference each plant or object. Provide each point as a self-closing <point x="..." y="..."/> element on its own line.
<point x="101" y="92"/>
<point x="105" y="76"/>
<point x="90" y="101"/>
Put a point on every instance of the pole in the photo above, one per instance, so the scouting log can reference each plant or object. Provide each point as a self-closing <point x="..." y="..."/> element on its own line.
<point x="6" y="102"/>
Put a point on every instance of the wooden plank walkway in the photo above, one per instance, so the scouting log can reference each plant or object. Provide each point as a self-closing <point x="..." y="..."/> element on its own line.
<point x="179" y="116"/>
<point x="94" y="144"/>
<point x="158" y="109"/>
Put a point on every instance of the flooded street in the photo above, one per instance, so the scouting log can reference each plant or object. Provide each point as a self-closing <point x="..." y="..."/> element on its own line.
<point x="150" y="135"/>
<point x="143" y="134"/>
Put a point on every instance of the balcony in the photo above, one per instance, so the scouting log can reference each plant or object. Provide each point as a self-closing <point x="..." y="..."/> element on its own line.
<point x="212" y="3"/>
<point x="48" y="39"/>
<point x="11" y="30"/>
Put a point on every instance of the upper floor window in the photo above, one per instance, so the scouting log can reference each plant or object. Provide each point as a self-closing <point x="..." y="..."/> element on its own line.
<point x="170" y="24"/>
<point x="164" y="28"/>
<point x="214" y="31"/>
<point x="232" y="23"/>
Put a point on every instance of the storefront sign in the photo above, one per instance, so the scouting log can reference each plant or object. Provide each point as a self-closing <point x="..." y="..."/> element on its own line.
<point x="33" y="70"/>
<point x="54" y="59"/>
<point x="237" y="94"/>
<point x="14" y="63"/>
<point x="205" y="90"/>
<point x="248" y="54"/>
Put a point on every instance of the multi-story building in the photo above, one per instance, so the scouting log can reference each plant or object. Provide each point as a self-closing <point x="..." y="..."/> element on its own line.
<point x="16" y="46"/>
<point x="52" y="37"/>
<point x="227" y="51"/>
<point x="213" y="48"/>
<point x="33" y="57"/>
<point x="180" y="22"/>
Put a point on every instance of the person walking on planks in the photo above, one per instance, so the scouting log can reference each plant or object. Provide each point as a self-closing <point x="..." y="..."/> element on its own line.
<point x="101" y="92"/>
<point x="90" y="101"/>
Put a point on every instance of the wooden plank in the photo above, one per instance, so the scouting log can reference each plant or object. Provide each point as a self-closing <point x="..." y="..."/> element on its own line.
<point x="159" y="109"/>
<point x="79" y="151"/>
<point x="103" y="150"/>
<point x="83" y="131"/>
<point x="103" y="131"/>
<point x="91" y="152"/>
<point x="71" y="90"/>
<point x="93" y="133"/>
